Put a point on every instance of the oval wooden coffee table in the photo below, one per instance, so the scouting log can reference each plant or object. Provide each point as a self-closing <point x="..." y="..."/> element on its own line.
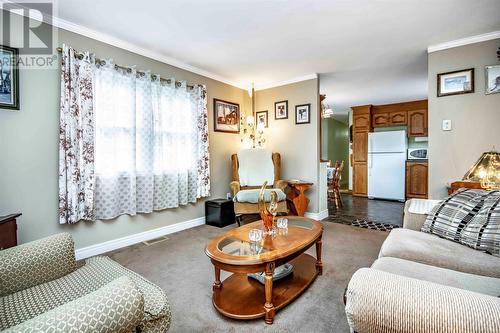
<point x="241" y="297"/>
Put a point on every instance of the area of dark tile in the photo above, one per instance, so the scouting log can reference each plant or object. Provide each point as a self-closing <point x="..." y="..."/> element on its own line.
<point x="373" y="210"/>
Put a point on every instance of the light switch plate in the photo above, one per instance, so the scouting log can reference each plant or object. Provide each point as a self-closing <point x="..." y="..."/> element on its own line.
<point x="446" y="125"/>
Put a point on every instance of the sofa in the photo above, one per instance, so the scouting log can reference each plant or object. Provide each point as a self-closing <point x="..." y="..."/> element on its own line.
<point x="43" y="290"/>
<point x="423" y="283"/>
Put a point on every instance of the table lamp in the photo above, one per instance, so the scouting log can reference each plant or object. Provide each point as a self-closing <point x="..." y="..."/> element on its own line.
<point x="486" y="171"/>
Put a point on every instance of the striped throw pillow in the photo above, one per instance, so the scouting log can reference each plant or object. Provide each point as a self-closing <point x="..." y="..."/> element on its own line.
<point x="450" y="218"/>
<point x="483" y="231"/>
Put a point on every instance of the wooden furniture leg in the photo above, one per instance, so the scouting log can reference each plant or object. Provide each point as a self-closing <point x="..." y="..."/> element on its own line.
<point x="301" y="201"/>
<point x="217" y="284"/>
<point x="319" y="263"/>
<point x="268" y="306"/>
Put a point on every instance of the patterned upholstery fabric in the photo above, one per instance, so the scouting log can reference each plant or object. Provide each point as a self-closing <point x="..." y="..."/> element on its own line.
<point x="381" y="302"/>
<point x="456" y="219"/>
<point x="40" y="276"/>
<point x="483" y="231"/>
<point x="97" y="272"/>
<point x="33" y="263"/>
<point x="116" y="307"/>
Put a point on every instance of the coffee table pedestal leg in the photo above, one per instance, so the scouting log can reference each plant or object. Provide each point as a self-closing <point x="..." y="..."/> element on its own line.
<point x="217" y="284"/>
<point x="268" y="306"/>
<point x="319" y="263"/>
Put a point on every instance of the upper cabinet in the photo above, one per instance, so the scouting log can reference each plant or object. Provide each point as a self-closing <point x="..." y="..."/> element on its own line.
<point x="417" y="123"/>
<point x="412" y="114"/>
<point x="361" y="118"/>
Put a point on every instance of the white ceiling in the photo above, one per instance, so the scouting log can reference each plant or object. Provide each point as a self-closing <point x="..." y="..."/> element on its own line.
<point x="365" y="51"/>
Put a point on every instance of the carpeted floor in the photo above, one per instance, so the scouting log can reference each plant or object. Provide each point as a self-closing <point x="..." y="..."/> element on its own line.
<point x="180" y="266"/>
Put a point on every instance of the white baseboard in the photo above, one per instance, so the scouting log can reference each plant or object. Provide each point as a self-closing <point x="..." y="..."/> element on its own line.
<point x="317" y="216"/>
<point x="118" y="243"/>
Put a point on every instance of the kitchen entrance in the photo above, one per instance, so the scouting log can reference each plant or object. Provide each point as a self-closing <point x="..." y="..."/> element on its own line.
<point x="386" y="162"/>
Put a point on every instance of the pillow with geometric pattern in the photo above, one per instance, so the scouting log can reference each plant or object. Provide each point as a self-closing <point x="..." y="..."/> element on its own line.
<point x="483" y="231"/>
<point x="449" y="218"/>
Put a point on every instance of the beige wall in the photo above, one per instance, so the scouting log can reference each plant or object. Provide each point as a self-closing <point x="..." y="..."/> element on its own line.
<point x="475" y="117"/>
<point x="298" y="144"/>
<point x="29" y="152"/>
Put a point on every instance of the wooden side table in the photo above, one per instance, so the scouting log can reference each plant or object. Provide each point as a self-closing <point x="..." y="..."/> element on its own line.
<point x="463" y="184"/>
<point x="297" y="200"/>
<point x="8" y="231"/>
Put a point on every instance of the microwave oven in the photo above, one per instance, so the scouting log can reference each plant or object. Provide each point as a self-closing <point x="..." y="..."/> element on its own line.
<point x="417" y="154"/>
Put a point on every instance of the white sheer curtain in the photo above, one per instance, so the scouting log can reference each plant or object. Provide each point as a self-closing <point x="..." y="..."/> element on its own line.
<point x="151" y="143"/>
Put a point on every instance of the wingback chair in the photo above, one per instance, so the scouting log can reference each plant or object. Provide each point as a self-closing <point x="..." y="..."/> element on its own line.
<point x="250" y="169"/>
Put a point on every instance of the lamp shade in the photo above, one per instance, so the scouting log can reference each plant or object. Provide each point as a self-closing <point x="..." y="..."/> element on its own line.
<point x="486" y="171"/>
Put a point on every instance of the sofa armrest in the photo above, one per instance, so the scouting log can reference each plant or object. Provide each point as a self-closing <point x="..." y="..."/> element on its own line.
<point x="378" y="301"/>
<point x="411" y="220"/>
<point x="235" y="187"/>
<point x="281" y="184"/>
<point x="116" y="307"/>
<point x="36" y="262"/>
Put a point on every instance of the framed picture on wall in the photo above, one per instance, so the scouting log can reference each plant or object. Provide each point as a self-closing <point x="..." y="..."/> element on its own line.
<point x="455" y="83"/>
<point x="9" y="78"/>
<point x="492" y="79"/>
<point x="303" y="114"/>
<point x="226" y="116"/>
<point x="281" y="110"/>
<point x="261" y="118"/>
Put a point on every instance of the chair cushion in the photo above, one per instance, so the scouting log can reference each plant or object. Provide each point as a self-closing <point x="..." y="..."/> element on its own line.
<point x="252" y="196"/>
<point x="97" y="272"/>
<point x="477" y="283"/>
<point x="255" y="166"/>
<point x="432" y="250"/>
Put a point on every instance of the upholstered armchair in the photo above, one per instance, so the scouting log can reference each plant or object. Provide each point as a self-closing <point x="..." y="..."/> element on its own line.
<point x="250" y="169"/>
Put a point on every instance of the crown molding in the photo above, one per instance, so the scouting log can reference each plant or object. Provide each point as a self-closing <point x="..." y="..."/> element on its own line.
<point x="464" y="41"/>
<point x="285" y="82"/>
<point x="122" y="44"/>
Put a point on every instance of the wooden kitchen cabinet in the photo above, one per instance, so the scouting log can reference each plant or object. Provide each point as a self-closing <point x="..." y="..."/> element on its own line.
<point x="360" y="146"/>
<point x="416" y="179"/>
<point x="380" y="120"/>
<point x="360" y="179"/>
<point x="397" y="118"/>
<point x="361" y="122"/>
<point x="417" y="123"/>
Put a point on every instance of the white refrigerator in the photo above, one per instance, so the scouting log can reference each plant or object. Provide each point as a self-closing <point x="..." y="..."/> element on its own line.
<point x="386" y="165"/>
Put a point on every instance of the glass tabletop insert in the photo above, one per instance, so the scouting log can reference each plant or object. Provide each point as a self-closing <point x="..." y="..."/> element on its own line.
<point x="236" y="247"/>
<point x="301" y="223"/>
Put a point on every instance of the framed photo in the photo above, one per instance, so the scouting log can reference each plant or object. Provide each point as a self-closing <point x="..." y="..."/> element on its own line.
<point x="455" y="83"/>
<point x="9" y="78"/>
<point x="303" y="114"/>
<point x="261" y="117"/>
<point x="492" y="79"/>
<point x="226" y="116"/>
<point x="281" y="110"/>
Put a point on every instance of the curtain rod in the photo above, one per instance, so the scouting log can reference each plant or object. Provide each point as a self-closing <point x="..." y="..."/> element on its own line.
<point x="79" y="55"/>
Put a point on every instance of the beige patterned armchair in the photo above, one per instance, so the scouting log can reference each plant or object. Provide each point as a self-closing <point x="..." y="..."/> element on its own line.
<point x="42" y="290"/>
<point x="250" y="169"/>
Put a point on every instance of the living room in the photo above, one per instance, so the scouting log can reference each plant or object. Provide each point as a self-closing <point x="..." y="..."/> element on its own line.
<point x="134" y="158"/>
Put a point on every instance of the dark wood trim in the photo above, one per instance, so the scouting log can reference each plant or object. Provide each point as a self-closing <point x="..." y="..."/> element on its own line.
<point x="9" y="217"/>
<point x="439" y="94"/>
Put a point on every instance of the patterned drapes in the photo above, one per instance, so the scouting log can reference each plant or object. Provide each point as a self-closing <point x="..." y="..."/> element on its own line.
<point x="151" y="143"/>
<point x="76" y="138"/>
